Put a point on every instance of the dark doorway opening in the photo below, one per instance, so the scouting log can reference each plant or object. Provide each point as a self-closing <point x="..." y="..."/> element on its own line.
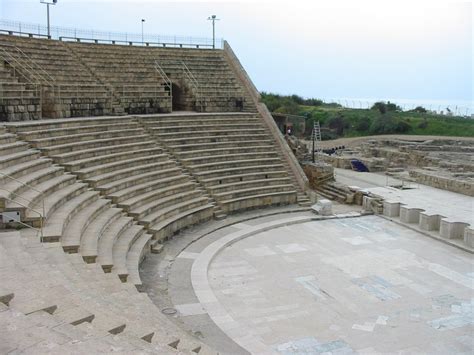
<point x="177" y="99"/>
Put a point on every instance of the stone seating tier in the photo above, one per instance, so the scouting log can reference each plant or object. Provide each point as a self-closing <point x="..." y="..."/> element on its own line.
<point x="62" y="305"/>
<point x="128" y="187"/>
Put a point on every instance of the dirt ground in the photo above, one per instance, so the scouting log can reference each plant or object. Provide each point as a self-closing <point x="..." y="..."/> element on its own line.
<point x="352" y="142"/>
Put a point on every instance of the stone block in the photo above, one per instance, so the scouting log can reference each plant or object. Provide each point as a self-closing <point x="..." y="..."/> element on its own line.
<point x="430" y="222"/>
<point x="469" y="236"/>
<point x="451" y="229"/>
<point x="410" y="214"/>
<point x="391" y="209"/>
<point x="323" y="207"/>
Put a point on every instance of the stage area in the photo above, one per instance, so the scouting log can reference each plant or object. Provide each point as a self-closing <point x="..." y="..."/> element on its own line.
<point x="352" y="285"/>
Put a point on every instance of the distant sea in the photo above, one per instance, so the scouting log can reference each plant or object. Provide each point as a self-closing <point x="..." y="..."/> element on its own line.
<point x="457" y="107"/>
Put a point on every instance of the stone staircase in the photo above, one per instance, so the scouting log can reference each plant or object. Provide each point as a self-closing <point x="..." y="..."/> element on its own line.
<point x="335" y="191"/>
<point x="52" y="302"/>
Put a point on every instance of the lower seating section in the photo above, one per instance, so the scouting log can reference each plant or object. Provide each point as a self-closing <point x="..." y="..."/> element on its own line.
<point x="86" y="298"/>
<point x="231" y="155"/>
<point x="117" y="158"/>
<point x="72" y="213"/>
<point x="107" y="192"/>
<point x="52" y="302"/>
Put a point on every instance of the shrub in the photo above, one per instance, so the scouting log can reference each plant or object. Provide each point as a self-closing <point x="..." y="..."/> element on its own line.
<point x="402" y="127"/>
<point x="383" y="107"/>
<point x="339" y="124"/>
<point x="423" y="124"/>
<point x="363" y="124"/>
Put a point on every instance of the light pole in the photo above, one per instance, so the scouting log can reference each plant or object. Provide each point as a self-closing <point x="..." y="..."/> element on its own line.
<point x="143" y="21"/>
<point x="48" y="2"/>
<point x="213" y="19"/>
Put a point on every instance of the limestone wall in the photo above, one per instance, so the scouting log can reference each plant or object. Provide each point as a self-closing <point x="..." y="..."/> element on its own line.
<point x="442" y="182"/>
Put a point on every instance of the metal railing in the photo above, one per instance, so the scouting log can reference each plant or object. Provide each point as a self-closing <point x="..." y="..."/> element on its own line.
<point x="69" y="91"/>
<point x="130" y="91"/>
<point x="134" y="43"/>
<point x="38" y="30"/>
<point x="167" y="81"/>
<point x="34" y="92"/>
<point x="22" y="63"/>
<point x="42" y="215"/>
<point x="193" y="83"/>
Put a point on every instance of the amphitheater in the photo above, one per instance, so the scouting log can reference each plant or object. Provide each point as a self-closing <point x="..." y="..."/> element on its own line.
<point x="149" y="204"/>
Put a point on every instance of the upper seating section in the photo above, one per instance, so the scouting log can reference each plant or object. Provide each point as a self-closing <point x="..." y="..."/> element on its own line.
<point x="89" y="79"/>
<point x="202" y="79"/>
<point x="68" y="89"/>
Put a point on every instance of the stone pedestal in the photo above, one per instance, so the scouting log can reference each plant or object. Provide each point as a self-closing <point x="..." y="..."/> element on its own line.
<point x="450" y="229"/>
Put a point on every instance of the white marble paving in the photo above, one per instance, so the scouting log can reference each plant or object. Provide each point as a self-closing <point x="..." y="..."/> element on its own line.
<point x="361" y="285"/>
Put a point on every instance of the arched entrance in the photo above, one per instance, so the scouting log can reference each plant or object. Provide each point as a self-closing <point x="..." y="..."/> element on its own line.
<point x="178" y="103"/>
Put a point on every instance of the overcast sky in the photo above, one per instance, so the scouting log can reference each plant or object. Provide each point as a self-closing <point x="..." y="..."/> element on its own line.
<point x="328" y="49"/>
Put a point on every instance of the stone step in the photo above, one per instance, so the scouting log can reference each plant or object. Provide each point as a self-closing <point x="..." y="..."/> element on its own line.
<point x="74" y="316"/>
<point x="71" y="239"/>
<point x="227" y="157"/>
<point x="148" y="186"/>
<point x="122" y="247"/>
<point x="83" y="129"/>
<point x="135" y="256"/>
<point x="124" y="225"/>
<point x="193" y="117"/>
<point x="127" y="183"/>
<point x="7" y="161"/>
<point x="190" y="148"/>
<point x="248" y="177"/>
<point x="102" y="169"/>
<point x="57" y="222"/>
<point x="42" y="191"/>
<point x="208" y="128"/>
<point x="158" y="215"/>
<point x="235" y="164"/>
<point x="134" y="203"/>
<point x="97" y="143"/>
<point x="142" y="211"/>
<point x="84" y="137"/>
<point x="235" y="139"/>
<point x="18" y="186"/>
<point x="214" y="133"/>
<point x="6" y="296"/>
<point x="207" y="175"/>
<point x="63" y="123"/>
<point x="110" y="158"/>
<point x="99" y="181"/>
<point x="224" y="188"/>
<point x="251" y="191"/>
<point x="218" y="121"/>
<point x="83" y="155"/>
<point x="14" y="147"/>
<point x="224" y="150"/>
<point x="262" y="200"/>
<point x="94" y="231"/>
<point x="59" y="198"/>
<point x="6" y="138"/>
<point x="179" y="218"/>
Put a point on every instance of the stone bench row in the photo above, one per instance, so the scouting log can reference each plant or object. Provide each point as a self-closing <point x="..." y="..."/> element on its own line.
<point x="56" y="291"/>
<point x="448" y="228"/>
